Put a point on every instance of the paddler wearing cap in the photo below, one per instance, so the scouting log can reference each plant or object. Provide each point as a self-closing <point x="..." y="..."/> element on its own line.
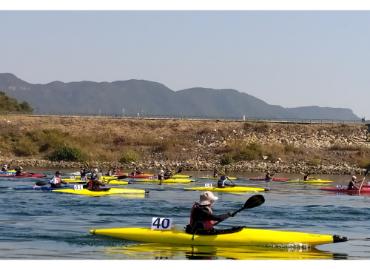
<point x="202" y="218"/>
<point x="353" y="184"/>
<point x="94" y="183"/>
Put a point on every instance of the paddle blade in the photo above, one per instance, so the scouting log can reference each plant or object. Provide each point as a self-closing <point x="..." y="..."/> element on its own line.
<point x="41" y="183"/>
<point x="254" y="201"/>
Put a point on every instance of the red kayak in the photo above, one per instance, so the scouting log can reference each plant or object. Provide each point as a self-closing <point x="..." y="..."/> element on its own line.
<point x="275" y="179"/>
<point x="141" y="175"/>
<point x="344" y="189"/>
<point x="24" y="175"/>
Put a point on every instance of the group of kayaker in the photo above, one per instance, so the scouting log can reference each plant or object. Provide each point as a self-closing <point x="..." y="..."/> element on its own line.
<point x="166" y="173"/>
<point x="93" y="183"/>
<point x="18" y="170"/>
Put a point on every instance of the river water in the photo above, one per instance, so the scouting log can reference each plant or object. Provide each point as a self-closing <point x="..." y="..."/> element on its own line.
<point x="48" y="225"/>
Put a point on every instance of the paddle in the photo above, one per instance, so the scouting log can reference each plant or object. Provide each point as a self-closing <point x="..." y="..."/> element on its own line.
<point x="362" y="183"/>
<point x="41" y="183"/>
<point x="254" y="201"/>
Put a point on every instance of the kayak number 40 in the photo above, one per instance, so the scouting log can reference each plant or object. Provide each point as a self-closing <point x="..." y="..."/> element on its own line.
<point x="159" y="223"/>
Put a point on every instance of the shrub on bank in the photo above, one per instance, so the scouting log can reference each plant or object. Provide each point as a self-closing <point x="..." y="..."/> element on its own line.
<point x="66" y="153"/>
<point x="129" y="156"/>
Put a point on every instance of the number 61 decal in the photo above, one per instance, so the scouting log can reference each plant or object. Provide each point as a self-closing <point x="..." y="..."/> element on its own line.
<point x="159" y="223"/>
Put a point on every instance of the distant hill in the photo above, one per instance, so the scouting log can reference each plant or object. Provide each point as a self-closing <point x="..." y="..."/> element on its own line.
<point x="143" y="97"/>
<point x="11" y="105"/>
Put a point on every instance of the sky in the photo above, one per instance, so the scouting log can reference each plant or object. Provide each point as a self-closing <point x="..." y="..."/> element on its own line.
<point x="287" y="58"/>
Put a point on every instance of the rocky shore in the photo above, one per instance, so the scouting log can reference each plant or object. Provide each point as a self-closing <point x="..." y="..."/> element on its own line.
<point x="253" y="166"/>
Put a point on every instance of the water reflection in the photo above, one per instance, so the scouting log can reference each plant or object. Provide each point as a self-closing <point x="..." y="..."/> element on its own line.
<point x="172" y="252"/>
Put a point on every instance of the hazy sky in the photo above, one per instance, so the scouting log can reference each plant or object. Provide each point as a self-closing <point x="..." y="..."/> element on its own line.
<point x="290" y="58"/>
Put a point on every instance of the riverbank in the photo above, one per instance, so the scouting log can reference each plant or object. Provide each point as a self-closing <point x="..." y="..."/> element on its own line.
<point x="253" y="166"/>
<point x="329" y="148"/>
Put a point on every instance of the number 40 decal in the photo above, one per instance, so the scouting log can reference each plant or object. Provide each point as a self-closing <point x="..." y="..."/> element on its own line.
<point x="159" y="223"/>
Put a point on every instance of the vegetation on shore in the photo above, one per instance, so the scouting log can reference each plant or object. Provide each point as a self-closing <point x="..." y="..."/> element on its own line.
<point x="221" y="142"/>
<point x="11" y="105"/>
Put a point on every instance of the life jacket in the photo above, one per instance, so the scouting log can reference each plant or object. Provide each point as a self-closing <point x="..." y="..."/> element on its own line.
<point x="55" y="180"/>
<point x="351" y="185"/>
<point x="200" y="224"/>
<point x="93" y="185"/>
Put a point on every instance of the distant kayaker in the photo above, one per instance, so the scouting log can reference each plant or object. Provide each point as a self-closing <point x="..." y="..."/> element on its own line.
<point x="161" y="174"/>
<point x="268" y="176"/>
<point x="56" y="181"/>
<point x="110" y="172"/>
<point x="18" y="171"/>
<point x="224" y="181"/>
<point x="306" y="177"/>
<point x="167" y="173"/>
<point x="215" y="173"/>
<point x="353" y="184"/>
<point x="136" y="171"/>
<point x="202" y="218"/>
<point x="4" y="168"/>
<point x="94" y="174"/>
<point x="83" y="173"/>
<point x="179" y="170"/>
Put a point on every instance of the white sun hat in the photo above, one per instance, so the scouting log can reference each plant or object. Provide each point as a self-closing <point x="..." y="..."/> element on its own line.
<point x="207" y="198"/>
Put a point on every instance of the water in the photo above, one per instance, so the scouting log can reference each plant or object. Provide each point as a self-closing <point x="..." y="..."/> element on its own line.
<point x="47" y="225"/>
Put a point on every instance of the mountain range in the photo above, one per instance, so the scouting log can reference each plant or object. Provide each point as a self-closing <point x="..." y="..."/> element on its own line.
<point x="133" y="97"/>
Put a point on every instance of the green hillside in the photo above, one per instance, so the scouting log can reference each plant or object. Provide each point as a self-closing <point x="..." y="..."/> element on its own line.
<point x="11" y="105"/>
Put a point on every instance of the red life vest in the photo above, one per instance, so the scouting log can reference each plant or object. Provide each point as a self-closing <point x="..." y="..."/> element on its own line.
<point x="207" y="223"/>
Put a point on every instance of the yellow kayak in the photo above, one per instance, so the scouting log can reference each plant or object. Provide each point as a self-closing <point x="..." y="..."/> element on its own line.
<point x="111" y="191"/>
<point x="216" y="178"/>
<point x="73" y="181"/>
<point x="176" y="176"/>
<point x="228" y="189"/>
<point x="115" y="182"/>
<point x="166" y="181"/>
<point x="241" y="237"/>
<point x="153" y="251"/>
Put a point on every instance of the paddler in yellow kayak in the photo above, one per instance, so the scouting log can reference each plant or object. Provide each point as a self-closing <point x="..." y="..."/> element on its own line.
<point x="94" y="183"/>
<point x="4" y="169"/>
<point x="168" y="173"/>
<point x="224" y="181"/>
<point x="202" y="218"/>
<point x="83" y="173"/>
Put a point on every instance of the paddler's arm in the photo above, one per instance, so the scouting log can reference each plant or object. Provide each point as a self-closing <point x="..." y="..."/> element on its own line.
<point x="213" y="217"/>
